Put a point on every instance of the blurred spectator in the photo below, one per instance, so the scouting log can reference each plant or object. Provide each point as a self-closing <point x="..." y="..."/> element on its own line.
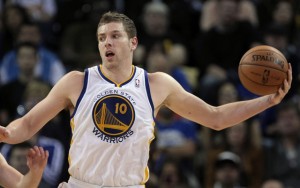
<point x="70" y="11"/>
<point x="43" y="13"/>
<point x="227" y="171"/>
<point x="13" y="17"/>
<point x="17" y="157"/>
<point x="282" y="153"/>
<point x="157" y="61"/>
<point x="155" y="31"/>
<point x="209" y="16"/>
<point x="272" y="183"/>
<point x="220" y="93"/>
<point x="78" y="41"/>
<point x="168" y="124"/>
<point x="11" y="92"/>
<point x="78" y="45"/>
<point x="52" y="172"/>
<point x="39" y="10"/>
<point x="284" y="14"/>
<point x="152" y="181"/>
<point x="50" y="137"/>
<point x="184" y="19"/>
<point x="264" y="9"/>
<point x="178" y="58"/>
<point x="277" y="36"/>
<point x="176" y="138"/>
<point x="219" y="49"/>
<point x="49" y="66"/>
<point x="242" y="141"/>
<point x="171" y="175"/>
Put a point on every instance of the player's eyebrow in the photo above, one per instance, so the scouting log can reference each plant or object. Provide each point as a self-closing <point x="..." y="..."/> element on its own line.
<point x="114" y="32"/>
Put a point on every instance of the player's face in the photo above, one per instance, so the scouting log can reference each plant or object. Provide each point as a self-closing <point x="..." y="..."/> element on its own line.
<point x="114" y="44"/>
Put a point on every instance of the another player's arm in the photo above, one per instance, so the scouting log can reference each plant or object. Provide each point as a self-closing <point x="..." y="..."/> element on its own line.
<point x="191" y="107"/>
<point x="60" y="97"/>
<point x="8" y="175"/>
<point x="36" y="161"/>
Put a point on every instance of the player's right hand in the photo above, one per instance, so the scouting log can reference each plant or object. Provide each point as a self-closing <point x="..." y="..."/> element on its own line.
<point x="4" y="133"/>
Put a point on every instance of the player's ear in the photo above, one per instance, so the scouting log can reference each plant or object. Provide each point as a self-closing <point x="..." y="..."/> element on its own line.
<point x="134" y="43"/>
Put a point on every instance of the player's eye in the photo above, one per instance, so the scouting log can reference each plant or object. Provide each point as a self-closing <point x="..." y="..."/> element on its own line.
<point x="101" y="39"/>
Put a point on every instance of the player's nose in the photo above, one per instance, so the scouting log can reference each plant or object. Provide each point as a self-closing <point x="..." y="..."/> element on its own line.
<point x="108" y="41"/>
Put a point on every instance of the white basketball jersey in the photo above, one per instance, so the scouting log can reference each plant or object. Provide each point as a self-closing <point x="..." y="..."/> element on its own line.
<point x="113" y="126"/>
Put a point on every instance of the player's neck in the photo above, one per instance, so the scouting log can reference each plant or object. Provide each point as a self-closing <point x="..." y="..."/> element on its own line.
<point x="117" y="74"/>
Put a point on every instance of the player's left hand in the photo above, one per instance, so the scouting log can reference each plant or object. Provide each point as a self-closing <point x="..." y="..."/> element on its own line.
<point x="282" y="91"/>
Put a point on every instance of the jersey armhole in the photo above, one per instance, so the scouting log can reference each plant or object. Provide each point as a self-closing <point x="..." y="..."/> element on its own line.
<point x="148" y="92"/>
<point x="86" y="77"/>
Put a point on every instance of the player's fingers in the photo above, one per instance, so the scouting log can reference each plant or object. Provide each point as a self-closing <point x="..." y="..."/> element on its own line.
<point x="4" y="133"/>
<point x="281" y="92"/>
<point x="47" y="154"/>
<point x="30" y="157"/>
<point x="43" y="152"/>
<point x="38" y="152"/>
<point x="290" y="76"/>
<point x="287" y="86"/>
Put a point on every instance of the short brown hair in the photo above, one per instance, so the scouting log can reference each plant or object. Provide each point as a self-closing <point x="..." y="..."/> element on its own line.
<point x="128" y="24"/>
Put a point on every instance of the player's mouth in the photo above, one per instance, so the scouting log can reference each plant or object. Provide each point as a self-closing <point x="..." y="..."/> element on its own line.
<point x="109" y="55"/>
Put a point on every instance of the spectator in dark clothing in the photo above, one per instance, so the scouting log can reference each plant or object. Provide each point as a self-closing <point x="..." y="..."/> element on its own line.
<point x="49" y="66"/>
<point x="155" y="31"/>
<point x="10" y="93"/>
<point x="221" y="47"/>
<point x="12" y="18"/>
<point x="282" y="153"/>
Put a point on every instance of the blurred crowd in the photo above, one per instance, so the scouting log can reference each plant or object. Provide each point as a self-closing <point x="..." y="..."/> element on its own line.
<point x="199" y="43"/>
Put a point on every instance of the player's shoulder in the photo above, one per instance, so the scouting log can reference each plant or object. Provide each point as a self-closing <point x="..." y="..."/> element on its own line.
<point x="159" y="76"/>
<point x="162" y="81"/>
<point x="2" y="160"/>
<point x="74" y="76"/>
<point x="71" y="80"/>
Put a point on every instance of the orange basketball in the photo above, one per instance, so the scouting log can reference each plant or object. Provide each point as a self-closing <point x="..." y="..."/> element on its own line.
<point x="263" y="69"/>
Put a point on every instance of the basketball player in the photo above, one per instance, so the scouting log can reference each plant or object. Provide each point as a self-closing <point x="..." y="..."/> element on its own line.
<point x="112" y="108"/>
<point x="36" y="161"/>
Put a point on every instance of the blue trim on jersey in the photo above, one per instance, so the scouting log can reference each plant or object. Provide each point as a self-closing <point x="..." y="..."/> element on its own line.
<point x="148" y="92"/>
<point x="86" y="78"/>
<point x="132" y="75"/>
<point x="103" y="76"/>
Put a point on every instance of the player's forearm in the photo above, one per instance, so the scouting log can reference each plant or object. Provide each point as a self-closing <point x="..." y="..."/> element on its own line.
<point x="31" y="179"/>
<point x="234" y="113"/>
<point x="19" y="131"/>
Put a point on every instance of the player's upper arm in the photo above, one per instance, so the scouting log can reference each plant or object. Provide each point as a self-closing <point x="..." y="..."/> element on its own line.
<point x="165" y="90"/>
<point x="63" y="95"/>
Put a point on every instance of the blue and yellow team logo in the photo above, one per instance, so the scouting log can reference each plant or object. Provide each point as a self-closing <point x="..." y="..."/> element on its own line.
<point x="113" y="115"/>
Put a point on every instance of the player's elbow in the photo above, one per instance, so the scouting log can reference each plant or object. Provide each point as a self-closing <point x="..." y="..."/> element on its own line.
<point x="220" y="123"/>
<point x="216" y="120"/>
<point x="217" y="126"/>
